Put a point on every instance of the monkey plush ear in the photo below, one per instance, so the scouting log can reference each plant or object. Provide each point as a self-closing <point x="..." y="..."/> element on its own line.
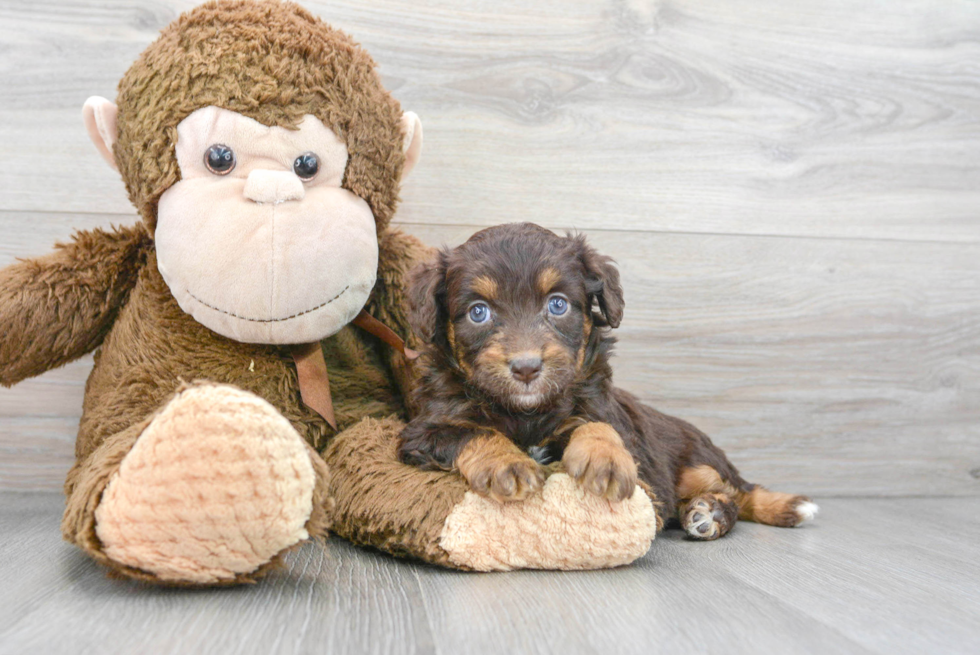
<point x="412" y="145"/>
<point x="602" y="283"/>
<point x="100" y="121"/>
<point x="426" y="298"/>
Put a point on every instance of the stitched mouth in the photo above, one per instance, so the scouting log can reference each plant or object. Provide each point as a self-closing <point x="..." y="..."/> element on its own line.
<point x="269" y="320"/>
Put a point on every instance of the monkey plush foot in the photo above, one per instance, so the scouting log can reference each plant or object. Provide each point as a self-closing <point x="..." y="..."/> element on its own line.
<point x="216" y="486"/>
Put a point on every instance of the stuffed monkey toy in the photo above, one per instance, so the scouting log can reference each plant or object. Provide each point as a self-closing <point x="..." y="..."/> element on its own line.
<point x="234" y="410"/>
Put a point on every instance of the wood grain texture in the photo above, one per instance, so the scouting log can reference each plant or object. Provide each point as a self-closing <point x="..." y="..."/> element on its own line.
<point x="840" y="118"/>
<point x="858" y="581"/>
<point x="827" y="367"/>
<point x="791" y="192"/>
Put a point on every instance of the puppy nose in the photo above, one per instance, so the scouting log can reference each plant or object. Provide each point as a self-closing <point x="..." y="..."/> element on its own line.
<point x="526" y="369"/>
<point x="273" y="186"/>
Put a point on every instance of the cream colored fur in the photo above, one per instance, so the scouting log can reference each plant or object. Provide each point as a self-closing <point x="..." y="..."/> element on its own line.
<point x="563" y="527"/>
<point x="412" y="144"/>
<point x="257" y="255"/>
<point x="100" y="117"/>
<point x="217" y="485"/>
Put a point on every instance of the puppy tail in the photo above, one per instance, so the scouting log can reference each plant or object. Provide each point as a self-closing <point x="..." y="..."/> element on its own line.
<point x="755" y="503"/>
<point x="758" y="504"/>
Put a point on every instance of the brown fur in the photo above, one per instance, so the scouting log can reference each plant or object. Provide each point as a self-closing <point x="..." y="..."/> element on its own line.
<point x="384" y="504"/>
<point x="466" y="387"/>
<point x="273" y="62"/>
<point x="103" y="289"/>
<point x="58" y="307"/>
<point x="402" y="510"/>
<point x="770" y="507"/>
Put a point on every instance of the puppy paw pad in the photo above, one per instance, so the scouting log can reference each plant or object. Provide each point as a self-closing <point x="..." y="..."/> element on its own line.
<point x="702" y="522"/>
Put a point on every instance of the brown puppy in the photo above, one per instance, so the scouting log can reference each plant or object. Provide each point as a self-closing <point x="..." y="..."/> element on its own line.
<point x="516" y="369"/>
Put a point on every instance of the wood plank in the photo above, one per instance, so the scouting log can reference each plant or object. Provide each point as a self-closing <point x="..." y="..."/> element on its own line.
<point x="821" y="366"/>
<point x="859" y="580"/>
<point x="338" y="600"/>
<point x="648" y="607"/>
<point x="915" y="600"/>
<point x="749" y="117"/>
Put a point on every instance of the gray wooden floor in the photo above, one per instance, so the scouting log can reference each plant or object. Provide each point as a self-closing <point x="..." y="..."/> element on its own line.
<point x="871" y="575"/>
<point x="792" y="193"/>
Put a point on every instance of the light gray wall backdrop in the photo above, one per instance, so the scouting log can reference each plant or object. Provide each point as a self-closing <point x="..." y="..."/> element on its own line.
<point x="792" y="191"/>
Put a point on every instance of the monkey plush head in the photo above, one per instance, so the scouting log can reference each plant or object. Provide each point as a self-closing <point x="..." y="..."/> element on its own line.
<point x="265" y="157"/>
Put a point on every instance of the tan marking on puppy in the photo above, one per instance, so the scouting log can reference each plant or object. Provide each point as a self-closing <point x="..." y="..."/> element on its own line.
<point x="571" y="423"/>
<point x="586" y="333"/>
<point x="457" y="352"/>
<point x="485" y="287"/>
<point x="493" y="357"/>
<point x="759" y="504"/>
<point x="547" y="279"/>
<point x="553" y="354"/>
<point x="495" y="467"/>
<point x="699" y="480"/>
<point x="597" y="459"/>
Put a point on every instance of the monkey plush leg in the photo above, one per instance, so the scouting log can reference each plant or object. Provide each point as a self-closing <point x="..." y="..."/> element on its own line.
<point x="210" y="490"/>
<point x="596" y="457"/>
<point x="436" y="516"/>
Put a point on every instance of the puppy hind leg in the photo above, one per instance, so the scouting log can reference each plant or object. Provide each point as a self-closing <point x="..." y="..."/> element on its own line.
<point x="708" y="516"/>
<point x="707" y="506"/>
<point x="754" y="503"/>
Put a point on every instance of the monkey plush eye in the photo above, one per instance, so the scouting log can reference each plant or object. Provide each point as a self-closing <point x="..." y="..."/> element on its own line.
<point x="306" y="166"/>
<point x="220" y="159"/>
<point x="557" y="305"/>
<point x="479" y="312"/>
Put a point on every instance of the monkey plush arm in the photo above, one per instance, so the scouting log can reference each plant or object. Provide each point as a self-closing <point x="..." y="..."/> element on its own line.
<point x="56" y="308"/>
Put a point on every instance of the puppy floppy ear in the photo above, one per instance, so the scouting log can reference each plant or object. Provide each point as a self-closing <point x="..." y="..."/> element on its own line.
<point x="602" y="283"/>
<point x="426" y="298"/>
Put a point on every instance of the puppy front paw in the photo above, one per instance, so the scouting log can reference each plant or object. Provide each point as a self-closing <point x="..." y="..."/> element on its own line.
<point x="597" y="459"/>
<point x="496" y="468"/>
<point x="507" y="480"/>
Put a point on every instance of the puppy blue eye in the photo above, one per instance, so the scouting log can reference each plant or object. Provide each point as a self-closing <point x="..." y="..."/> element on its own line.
<point x="480" y="312"/>
<point x="557" y="305"/>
